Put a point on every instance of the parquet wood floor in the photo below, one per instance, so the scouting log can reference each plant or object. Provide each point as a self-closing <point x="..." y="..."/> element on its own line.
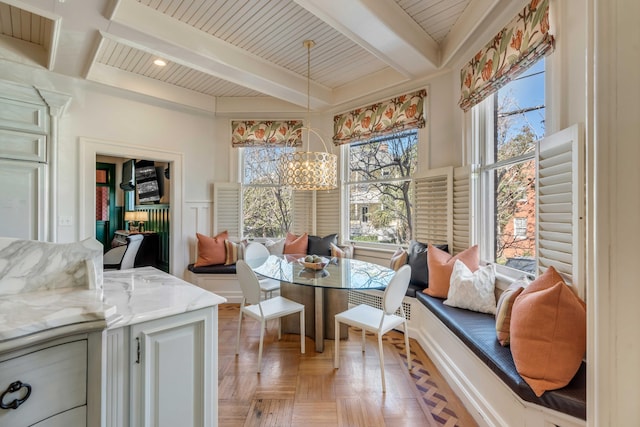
<point x="305" y="390"/>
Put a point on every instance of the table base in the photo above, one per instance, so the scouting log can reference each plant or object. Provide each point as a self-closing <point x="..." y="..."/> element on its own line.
<point x="321" y="306"/>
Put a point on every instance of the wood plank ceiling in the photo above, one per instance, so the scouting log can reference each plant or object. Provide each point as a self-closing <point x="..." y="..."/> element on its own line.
<point x="218" y="49"/>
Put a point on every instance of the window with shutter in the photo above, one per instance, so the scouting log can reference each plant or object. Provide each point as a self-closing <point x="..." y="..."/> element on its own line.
<point x="561" y="205"/>
<point x="227" y="209"/>
<point x="508" y="125"/>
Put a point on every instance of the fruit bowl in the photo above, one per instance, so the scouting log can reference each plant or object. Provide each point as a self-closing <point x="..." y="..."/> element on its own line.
<point x="320" y="265"/>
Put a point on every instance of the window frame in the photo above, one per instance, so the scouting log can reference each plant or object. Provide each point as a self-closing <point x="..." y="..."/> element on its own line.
<point x="482" y="126"/>
<point x="241" y="174"/>
<point x="346" y="182"/>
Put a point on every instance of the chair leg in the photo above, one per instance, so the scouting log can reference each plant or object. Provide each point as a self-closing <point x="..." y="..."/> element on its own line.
<point x="381" y="355"/>
<point x="336" y="347"/>
<point x="279" y="328"/>
<point x="363" y="339"/>
<point x="406" y="344"/>
<point x="239" y="326"/>
<point x="302" y="334"/>
<point x="262" y="327"/>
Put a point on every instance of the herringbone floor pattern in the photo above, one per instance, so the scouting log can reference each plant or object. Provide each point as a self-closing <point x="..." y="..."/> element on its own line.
<point x="305" y="390"/>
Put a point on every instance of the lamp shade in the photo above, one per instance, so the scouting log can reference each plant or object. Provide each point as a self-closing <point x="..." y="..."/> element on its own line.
<point x="136" y="216"/>
<point x="142" y="216"/>
<point x="309" y="170"/>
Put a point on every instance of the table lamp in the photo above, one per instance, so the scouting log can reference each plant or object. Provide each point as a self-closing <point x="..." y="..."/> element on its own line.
<point x="136" y="220"/>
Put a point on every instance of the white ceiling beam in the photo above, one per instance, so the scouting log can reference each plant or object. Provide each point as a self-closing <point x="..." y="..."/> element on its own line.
<point x="473" y="16"/>
<point x="198" y="50"/>
<point x="382" y="28"/>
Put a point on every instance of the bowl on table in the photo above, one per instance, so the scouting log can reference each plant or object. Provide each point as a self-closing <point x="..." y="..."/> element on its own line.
<point x="319" y="263"/>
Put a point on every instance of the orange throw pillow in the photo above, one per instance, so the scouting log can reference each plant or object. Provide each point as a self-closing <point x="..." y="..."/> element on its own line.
<point x="296" y="244"/>
<point x="548" y="333"/>
<point x="211" y="250"/>
<point x="440" y="265"/>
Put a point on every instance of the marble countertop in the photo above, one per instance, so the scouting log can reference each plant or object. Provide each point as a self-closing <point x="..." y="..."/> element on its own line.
<point x="128" y="297"/>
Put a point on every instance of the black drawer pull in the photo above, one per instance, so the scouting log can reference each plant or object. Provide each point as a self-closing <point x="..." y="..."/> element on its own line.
<point x="13" y="388"/>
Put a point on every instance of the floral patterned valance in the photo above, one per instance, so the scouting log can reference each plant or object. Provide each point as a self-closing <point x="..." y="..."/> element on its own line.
<point x="522" y="42"/>
<point x="403" y="112"/>
<point x="262" y="132"/>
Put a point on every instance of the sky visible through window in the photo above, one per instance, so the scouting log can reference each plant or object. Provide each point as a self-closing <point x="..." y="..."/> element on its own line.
<point x="525" y="94"/>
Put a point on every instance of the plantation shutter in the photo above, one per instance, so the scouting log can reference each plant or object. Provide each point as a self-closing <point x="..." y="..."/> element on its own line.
<point x="560" y="205"/>
<point x="434" y="207"/>
<point x="302" y="212"/>
<point x="227" y="209"/>
<point x="461" y="209"/>
<point x="327" y="212"/>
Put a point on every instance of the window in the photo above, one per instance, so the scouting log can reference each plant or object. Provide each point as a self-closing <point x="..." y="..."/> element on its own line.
<point x="520" y="228"/>
<point x="379" y="189"/>
<point x="266" y="207"/>
<point x="513" y="120"/>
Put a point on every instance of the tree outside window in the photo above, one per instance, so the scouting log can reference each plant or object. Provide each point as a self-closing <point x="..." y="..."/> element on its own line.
<point x="379" y="183"/>
<point x="518" y="118"/>
<point x="266" y="206"/>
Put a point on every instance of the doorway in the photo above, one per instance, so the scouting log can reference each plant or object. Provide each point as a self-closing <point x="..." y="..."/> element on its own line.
<point x="106" y="217"/>
<point x="90" y="148"/>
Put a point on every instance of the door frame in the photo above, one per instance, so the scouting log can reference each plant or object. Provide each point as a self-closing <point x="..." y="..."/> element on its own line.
<point x="111" y="185"/>
<point x="90" y="148"/>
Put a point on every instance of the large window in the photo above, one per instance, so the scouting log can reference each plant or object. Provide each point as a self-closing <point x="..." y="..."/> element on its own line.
<point x="266" y="206"/>
<point x="379" y="190"/>
<point x="513" y="120"/>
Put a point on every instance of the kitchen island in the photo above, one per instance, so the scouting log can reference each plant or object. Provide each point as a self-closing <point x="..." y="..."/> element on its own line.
<point x="133" y="347"/>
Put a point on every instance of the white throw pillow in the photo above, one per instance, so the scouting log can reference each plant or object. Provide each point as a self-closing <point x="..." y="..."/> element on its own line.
<point x="276" y="247"/>
<point x="472" y="290"/>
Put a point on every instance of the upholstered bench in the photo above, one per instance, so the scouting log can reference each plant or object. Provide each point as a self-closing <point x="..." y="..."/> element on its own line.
<point x="477" y="331"/>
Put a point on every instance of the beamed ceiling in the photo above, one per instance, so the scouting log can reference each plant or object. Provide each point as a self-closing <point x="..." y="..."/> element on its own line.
<point x="220" y="52"/>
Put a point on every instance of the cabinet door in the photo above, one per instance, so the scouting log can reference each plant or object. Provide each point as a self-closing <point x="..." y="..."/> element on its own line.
<point x="22" y="199"/>
<point x="174" y="372"/>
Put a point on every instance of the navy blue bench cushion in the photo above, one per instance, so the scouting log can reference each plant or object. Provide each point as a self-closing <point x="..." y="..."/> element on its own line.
<point x="213" y="269"/>
<point x="478" y="332"/>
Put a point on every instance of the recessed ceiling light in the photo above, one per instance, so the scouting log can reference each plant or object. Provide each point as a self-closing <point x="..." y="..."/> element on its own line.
<point x="160" y="62"/>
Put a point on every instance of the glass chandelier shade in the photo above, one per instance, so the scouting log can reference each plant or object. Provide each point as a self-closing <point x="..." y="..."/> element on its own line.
<point x="309" y="170"/>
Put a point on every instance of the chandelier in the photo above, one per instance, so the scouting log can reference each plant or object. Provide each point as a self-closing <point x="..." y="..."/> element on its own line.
<point x="309" y="170"/>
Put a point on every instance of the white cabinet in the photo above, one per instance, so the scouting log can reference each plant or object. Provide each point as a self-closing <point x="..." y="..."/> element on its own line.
<point x="22" y="199"/>
<point x="171" y="364"/>
<point x="46" y="384"/>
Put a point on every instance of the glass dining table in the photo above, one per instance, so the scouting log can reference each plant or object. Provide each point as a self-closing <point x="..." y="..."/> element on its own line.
<point x="323" y="292"/>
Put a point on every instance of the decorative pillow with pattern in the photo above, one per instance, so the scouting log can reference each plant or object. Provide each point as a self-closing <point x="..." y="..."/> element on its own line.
<point x="473" y="291"/>
<point x="234" y="252"/>
<point x="342" y="252"/>
<point x="398" y="259"/>
<point x="503" y="309"/>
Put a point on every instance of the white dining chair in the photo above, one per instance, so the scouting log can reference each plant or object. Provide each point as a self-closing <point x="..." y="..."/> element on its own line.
<point x="255" y="254"/>
<point x="272" y="308"/>
<point x="378" y="321"/>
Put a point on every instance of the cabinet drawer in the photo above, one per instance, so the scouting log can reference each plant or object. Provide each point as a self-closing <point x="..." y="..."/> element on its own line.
<point x="76" y="417"/>
<point x="57" y="376"/>
<point x="19" y="115"/>
<point x="22" y="146"/>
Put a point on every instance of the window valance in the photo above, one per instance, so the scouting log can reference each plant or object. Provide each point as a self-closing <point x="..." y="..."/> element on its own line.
<point x="250" y="133"/>
<point x="394" y="115"/>
<point x="522" y="42"/>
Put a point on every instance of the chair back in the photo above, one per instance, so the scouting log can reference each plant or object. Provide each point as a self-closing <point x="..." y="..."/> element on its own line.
<point x="396" y="289"/>
<point x="248" y="282"/>
<point x="255" y="254"/>
<point x="134" y="242"/>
